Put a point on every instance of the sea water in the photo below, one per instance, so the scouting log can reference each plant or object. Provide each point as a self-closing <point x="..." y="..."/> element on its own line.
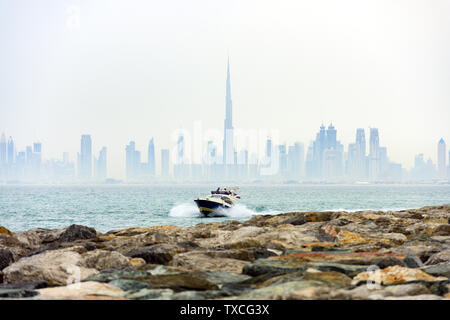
<point x="112" y="207"/>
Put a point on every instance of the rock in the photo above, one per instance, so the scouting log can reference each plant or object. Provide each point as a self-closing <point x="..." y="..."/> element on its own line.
<point x="268" y="266"/>
<point x="148" y="294"/>
<point x="296" y="220"/>
<point x="102" y="259"/>
<point x="77" y="232"/>
<point x="222" y="277"/>
<point x="247" y="254"/>
<point x="412" y="262"/>
<point x="118" y="275"/>
<point x="442" y="230"/>
<point x="6" y="258"/>
<point x="395" y="274"/>
<point x="443" y="256"/>
<point x="418" y="297"/>
<point x="347" y="269"/>
<point x="25" y="285"/>
<point x="157" y="254"/>
<point x="198" y="295"/>
<point x="440" y="269"/>
<point x="180" y="282"/>
<point x="137" y="262"/>
<point x="80" y="290"/>
<point x="3" y="230"/>
<point x="129" y="285"/>
<point x="57" y="267"/>
<point x="277" y="291"/>
<point x="17" y="293"/>
<point x="195" y="260"/>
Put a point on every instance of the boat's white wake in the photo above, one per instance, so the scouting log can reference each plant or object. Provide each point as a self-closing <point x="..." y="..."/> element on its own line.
<point x="237" y="211"/>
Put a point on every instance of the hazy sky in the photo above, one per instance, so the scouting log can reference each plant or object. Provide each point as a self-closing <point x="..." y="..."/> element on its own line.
<point x="132" y="70"/>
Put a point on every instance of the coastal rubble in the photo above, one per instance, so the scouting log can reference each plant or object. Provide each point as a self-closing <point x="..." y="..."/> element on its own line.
<point x="368" y="255"/>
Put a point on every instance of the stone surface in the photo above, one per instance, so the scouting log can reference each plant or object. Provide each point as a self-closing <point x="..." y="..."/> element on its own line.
<point x="412" y="262"/>
<point x="3" y="230"/>
<point x="57" y="267"/>
<point x="80" y="290"/>
<point x="395" y="274"/>
<point x="6" y="258"/>
<point x="294" y="255"/>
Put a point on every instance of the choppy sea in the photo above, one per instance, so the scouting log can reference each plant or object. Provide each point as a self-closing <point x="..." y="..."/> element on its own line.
<point x="112" y="207"/>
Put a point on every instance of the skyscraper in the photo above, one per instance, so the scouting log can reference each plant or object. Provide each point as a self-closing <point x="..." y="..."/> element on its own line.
<point x="11" y="151"/>
<point x="132" y="161"/>
<point x="441" y="159"/>
<point x="151" y="158"/>
<point x="374" y="157"/>
<point x="360" y="154"/>
<point x="85" y="158"/>
<point x="100" y="165"/>
<point x="228" y="146"/>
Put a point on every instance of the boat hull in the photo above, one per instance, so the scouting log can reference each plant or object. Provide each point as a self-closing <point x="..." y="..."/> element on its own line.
<point x="211" y="208"/>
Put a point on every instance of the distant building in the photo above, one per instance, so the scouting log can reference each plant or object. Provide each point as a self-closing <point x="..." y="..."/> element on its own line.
<point x="151" y="158"/>
<point x="327" y="156"/>
<point x="11" y="151"/>
<point x="85" y="158"/>
<point x="441" y="162"/>
<point x="374" y="155"/>
<point x="101" y="165"/>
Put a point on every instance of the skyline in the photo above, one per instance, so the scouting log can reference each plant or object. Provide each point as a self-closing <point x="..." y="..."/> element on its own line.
<point x="323" y="159"/>
<point x="353" y="65"/>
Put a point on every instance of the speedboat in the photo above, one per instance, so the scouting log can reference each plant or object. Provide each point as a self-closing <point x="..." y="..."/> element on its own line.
<point x="218" y="202"/>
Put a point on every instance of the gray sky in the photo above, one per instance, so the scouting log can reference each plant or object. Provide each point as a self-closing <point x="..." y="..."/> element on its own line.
<point x="131" y="70"/>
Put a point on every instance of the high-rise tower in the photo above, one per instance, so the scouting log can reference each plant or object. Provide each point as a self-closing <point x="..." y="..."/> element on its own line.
<point x="151" y="158"/>
<point x="441" y="159"/>
<point x="228" y="149"/>
<point x="374" y="154"/>
<point x="85" y="158"/>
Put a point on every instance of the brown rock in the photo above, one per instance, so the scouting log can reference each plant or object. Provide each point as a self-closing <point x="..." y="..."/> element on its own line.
<point x="393" y="275"/>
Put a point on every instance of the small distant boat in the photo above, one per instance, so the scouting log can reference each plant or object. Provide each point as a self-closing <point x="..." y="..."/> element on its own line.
<point x="219" y="200"/>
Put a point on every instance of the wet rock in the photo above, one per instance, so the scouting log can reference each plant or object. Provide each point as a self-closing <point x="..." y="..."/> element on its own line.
<point x="6" y="258"/>
<point x="80" y="290"/>
<point x="412" y="262"/>
<point x="77" y="232"/>
<point x="395" y="274"/>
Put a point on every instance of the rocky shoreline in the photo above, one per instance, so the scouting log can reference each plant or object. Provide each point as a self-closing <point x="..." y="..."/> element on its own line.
<point x="296" y="255"/>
